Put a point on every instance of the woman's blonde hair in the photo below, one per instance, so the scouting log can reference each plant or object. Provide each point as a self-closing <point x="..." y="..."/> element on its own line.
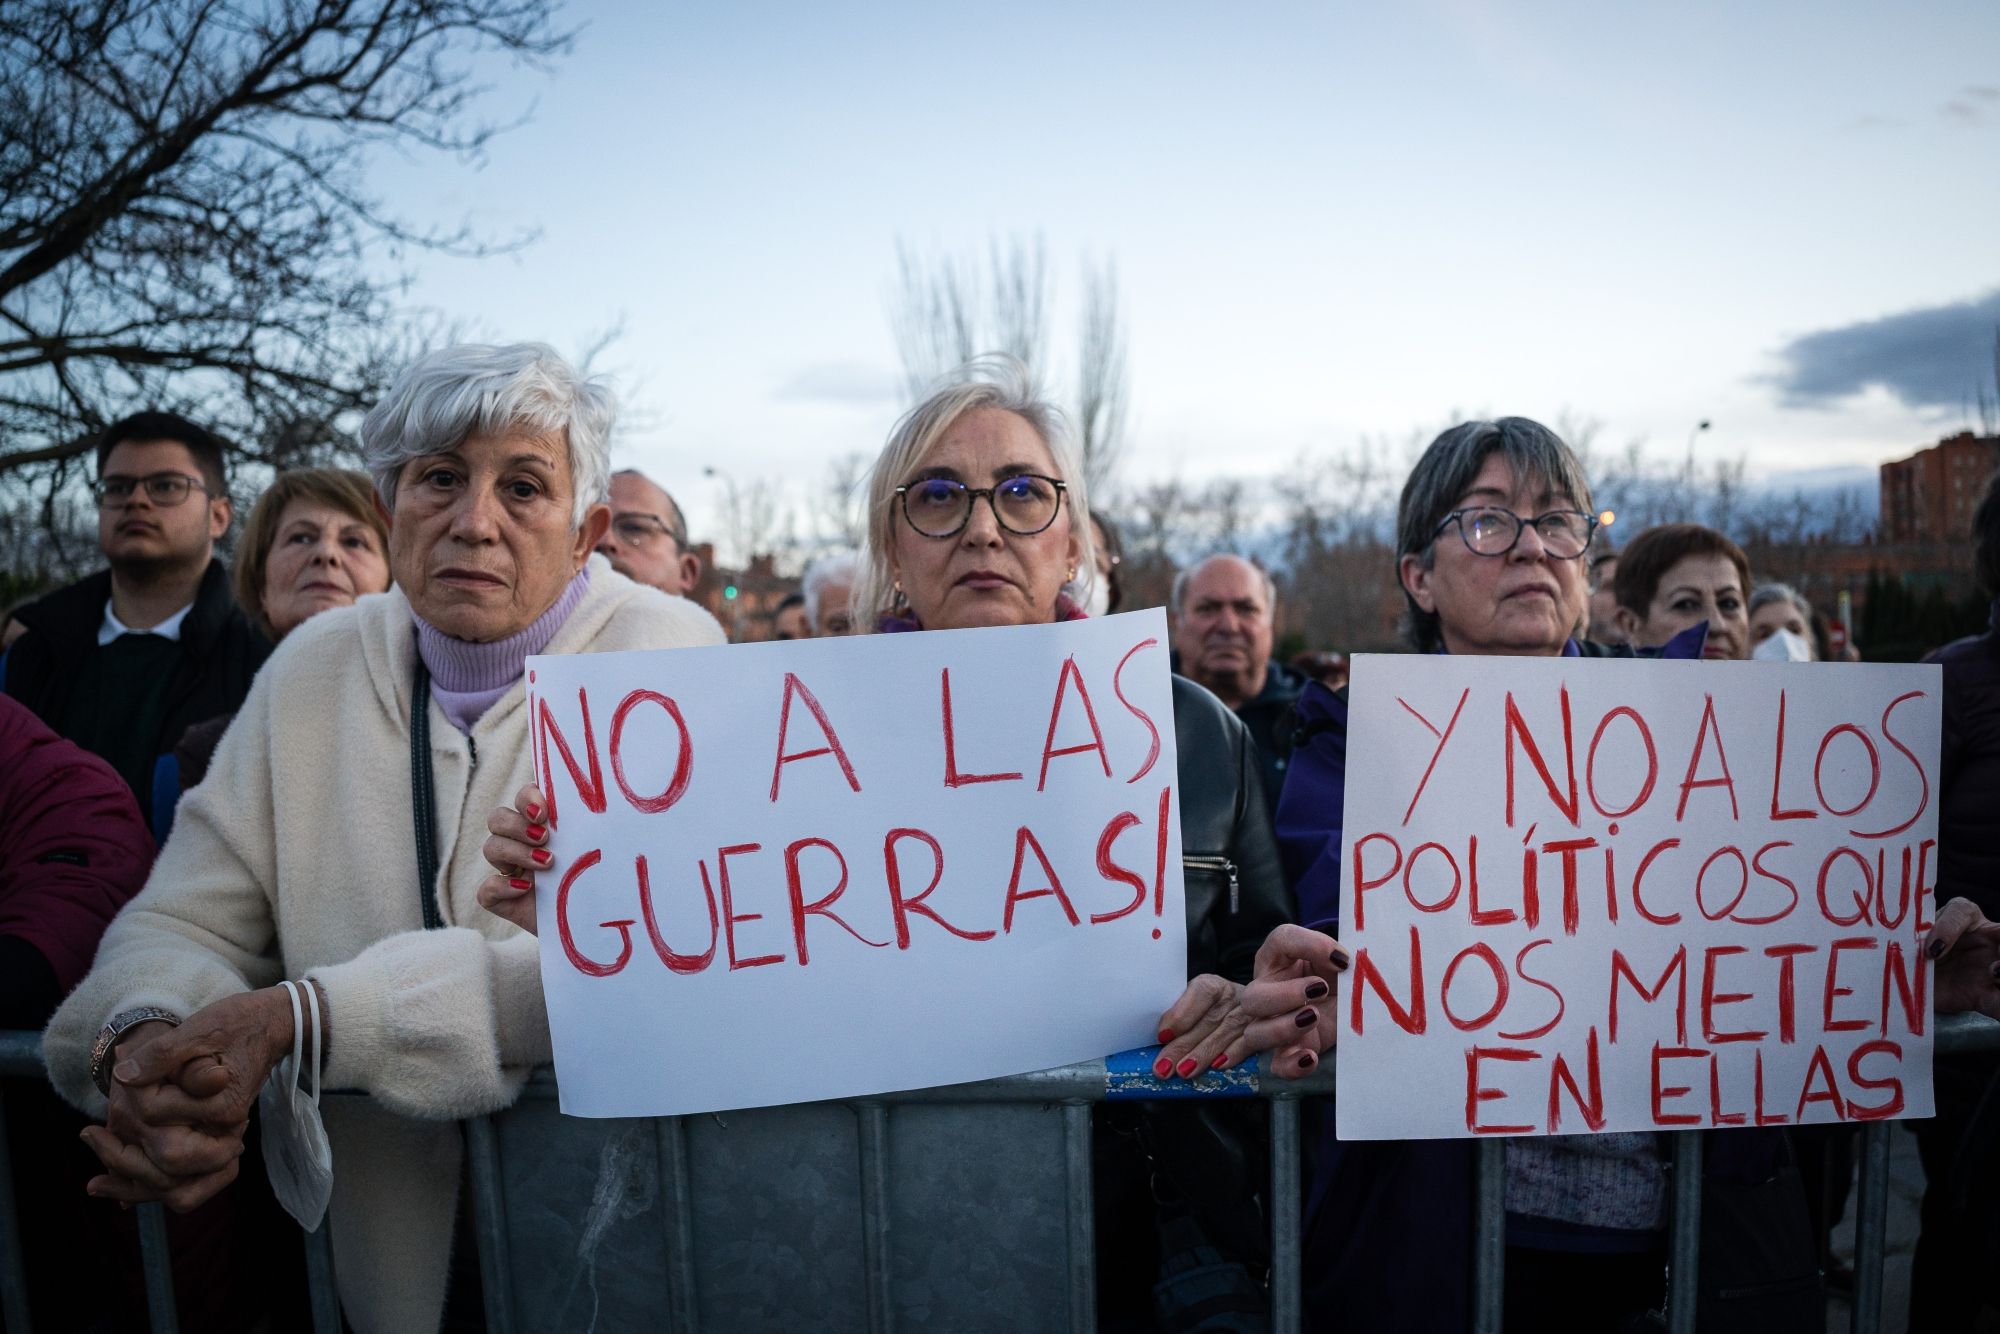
<point x="343" y="489"/>
<point x="996" y="380"/>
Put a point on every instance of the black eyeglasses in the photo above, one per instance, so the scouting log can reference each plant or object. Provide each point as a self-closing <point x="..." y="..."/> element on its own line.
<point x="1489" y="530"/>
<point x="1023" y="504"/>
<point x="162" y="488"/>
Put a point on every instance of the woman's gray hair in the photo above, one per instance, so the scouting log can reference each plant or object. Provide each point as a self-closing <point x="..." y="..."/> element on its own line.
<point x="835" y="568"/>
<point x="1766" y="594"/>
<point x="1447" y="470"/>
<point x="996" y="380"/>
<point x="447" y="396"/>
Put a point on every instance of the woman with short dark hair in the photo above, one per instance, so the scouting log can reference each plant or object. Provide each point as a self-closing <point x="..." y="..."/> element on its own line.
<point x="1679" y="575"/>
<point x="1493" y="531"/>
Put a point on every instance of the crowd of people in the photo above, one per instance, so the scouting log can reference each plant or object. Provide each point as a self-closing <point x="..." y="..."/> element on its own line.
<point x="328" y="749"/>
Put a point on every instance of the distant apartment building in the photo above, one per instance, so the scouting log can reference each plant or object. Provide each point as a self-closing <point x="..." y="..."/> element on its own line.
<point x="1929" y="496"/>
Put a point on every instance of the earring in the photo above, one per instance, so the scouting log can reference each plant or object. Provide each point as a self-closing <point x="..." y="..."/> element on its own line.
<point x="1072" y="574"/>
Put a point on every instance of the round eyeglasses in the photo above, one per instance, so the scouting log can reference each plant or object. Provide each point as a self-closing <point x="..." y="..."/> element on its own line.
<point x="1489" y="530"/>
<point x="1023" y="504"/>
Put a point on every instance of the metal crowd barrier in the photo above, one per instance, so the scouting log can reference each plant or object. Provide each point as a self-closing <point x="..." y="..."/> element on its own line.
<point x="524" y="1243"/>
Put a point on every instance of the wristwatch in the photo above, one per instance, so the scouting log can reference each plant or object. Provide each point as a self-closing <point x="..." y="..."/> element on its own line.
<point x="107" y="1039"/>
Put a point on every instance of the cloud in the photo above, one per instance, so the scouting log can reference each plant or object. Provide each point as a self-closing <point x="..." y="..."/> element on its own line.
<point x="1937" y="357"/>
<point x="851" y="383"/>
<point x="1861" y="124"/>
<point x="1971" y="103"/>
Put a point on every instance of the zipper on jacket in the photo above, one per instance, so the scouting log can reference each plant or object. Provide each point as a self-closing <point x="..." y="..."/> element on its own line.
<point x="1221" y="865"/>
<point x="472" y="746"/>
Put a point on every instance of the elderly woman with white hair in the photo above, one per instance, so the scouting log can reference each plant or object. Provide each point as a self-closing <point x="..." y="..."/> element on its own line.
<point x="828" y="588"/>
<point x="336" y="841"/>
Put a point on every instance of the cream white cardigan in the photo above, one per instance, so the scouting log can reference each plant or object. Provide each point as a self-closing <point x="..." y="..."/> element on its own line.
<point x="295" y="857"/>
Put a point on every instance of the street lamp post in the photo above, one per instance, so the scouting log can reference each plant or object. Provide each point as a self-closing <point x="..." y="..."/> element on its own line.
<point x="730" y="525"/>
<point x="1699" y="427"/>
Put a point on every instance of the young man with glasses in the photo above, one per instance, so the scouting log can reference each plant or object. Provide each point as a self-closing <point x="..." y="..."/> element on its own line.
<point x="123" y="661"/>
<point x="648" y="540"/>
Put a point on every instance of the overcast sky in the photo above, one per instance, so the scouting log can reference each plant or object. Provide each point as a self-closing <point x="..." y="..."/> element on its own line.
<point x="1329" y="221"/>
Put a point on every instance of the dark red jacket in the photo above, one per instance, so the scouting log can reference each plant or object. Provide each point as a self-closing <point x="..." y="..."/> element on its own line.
<point x="73" y="849"/>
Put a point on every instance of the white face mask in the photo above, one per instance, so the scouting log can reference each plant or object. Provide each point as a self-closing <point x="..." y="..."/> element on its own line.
<point x="296" y="1154"/>
<point x="1099" y="601"/>
<point x="1783" y="646"/>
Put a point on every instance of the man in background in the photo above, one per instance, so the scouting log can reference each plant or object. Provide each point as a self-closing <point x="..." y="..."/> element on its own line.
<point x="124" y="660"/>
<point x="1223" y="619"/>
<point x="648" y="539"/>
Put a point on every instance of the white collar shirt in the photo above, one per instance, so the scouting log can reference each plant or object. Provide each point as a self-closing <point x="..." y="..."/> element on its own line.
<point x="113" y="627"/>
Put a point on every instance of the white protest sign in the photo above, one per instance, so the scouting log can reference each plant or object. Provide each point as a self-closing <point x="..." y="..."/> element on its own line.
<point x="1589" y="895"/>
<point x="828" y="868"/>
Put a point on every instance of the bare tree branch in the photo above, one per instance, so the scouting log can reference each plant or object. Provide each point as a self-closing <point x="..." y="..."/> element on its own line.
<point x="184" y="222"/>
<point x="943" y="311"/>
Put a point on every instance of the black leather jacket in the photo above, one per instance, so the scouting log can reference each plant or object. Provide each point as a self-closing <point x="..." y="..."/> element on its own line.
<point x="1235" y="888"/>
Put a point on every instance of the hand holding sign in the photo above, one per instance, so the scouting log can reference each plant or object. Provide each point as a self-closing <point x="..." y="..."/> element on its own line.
<point x="1288" y="1010"/>
<point x="1966" y="948"/>
<point x="517" y="837"/>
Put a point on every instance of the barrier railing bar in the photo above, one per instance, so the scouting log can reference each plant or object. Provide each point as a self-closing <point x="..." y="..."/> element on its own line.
<point x="13" y="1269"/>
<point x="1082" y="1219"/>
<point x="1285" y="1216"/>
<point x="321" y="1289"/>
<point x="1076" y="1086"/>
<point x="875" y="1214"/>
<point x="1684" y="1252"/>
<point x="1489" y="1238"/>
<point x="489" y="1222"/>
<point x="21" y="1057"/>
<point x="1871" y="1228"/>
<point x="159" y="1269"/>
<point x="670" y="1137"/>
<point x="325" y="1297"/>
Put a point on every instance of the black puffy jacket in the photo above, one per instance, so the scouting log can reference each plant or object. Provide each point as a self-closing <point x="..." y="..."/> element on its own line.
<point x="1235" y="888"/>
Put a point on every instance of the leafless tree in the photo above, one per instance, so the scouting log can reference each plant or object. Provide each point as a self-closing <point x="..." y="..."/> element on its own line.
<point x="944" y="310"/>
<point x="835" y="514"/>
<point x="184" y="217"/>
<point x="1100" y="374"/>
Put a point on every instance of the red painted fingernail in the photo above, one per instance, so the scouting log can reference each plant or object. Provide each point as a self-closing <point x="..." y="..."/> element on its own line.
<point x="536" y="831"/>
<point x="521" y="884"/>
<point x="1316" y="990"/>
<point x="1220" y="1061"/>
<point x="1186" y="1068"/>
<point x="1935" y="948"/>
<point x="1307" y="1018"/>
<point x="1166" y="1036"/>
<point x="1338" y="960"/>
<point x="1162" y="1068"/>
<point x="542" y="856"/>
<point x="532" y="812"/>
<point x="1308" y="1060"/>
